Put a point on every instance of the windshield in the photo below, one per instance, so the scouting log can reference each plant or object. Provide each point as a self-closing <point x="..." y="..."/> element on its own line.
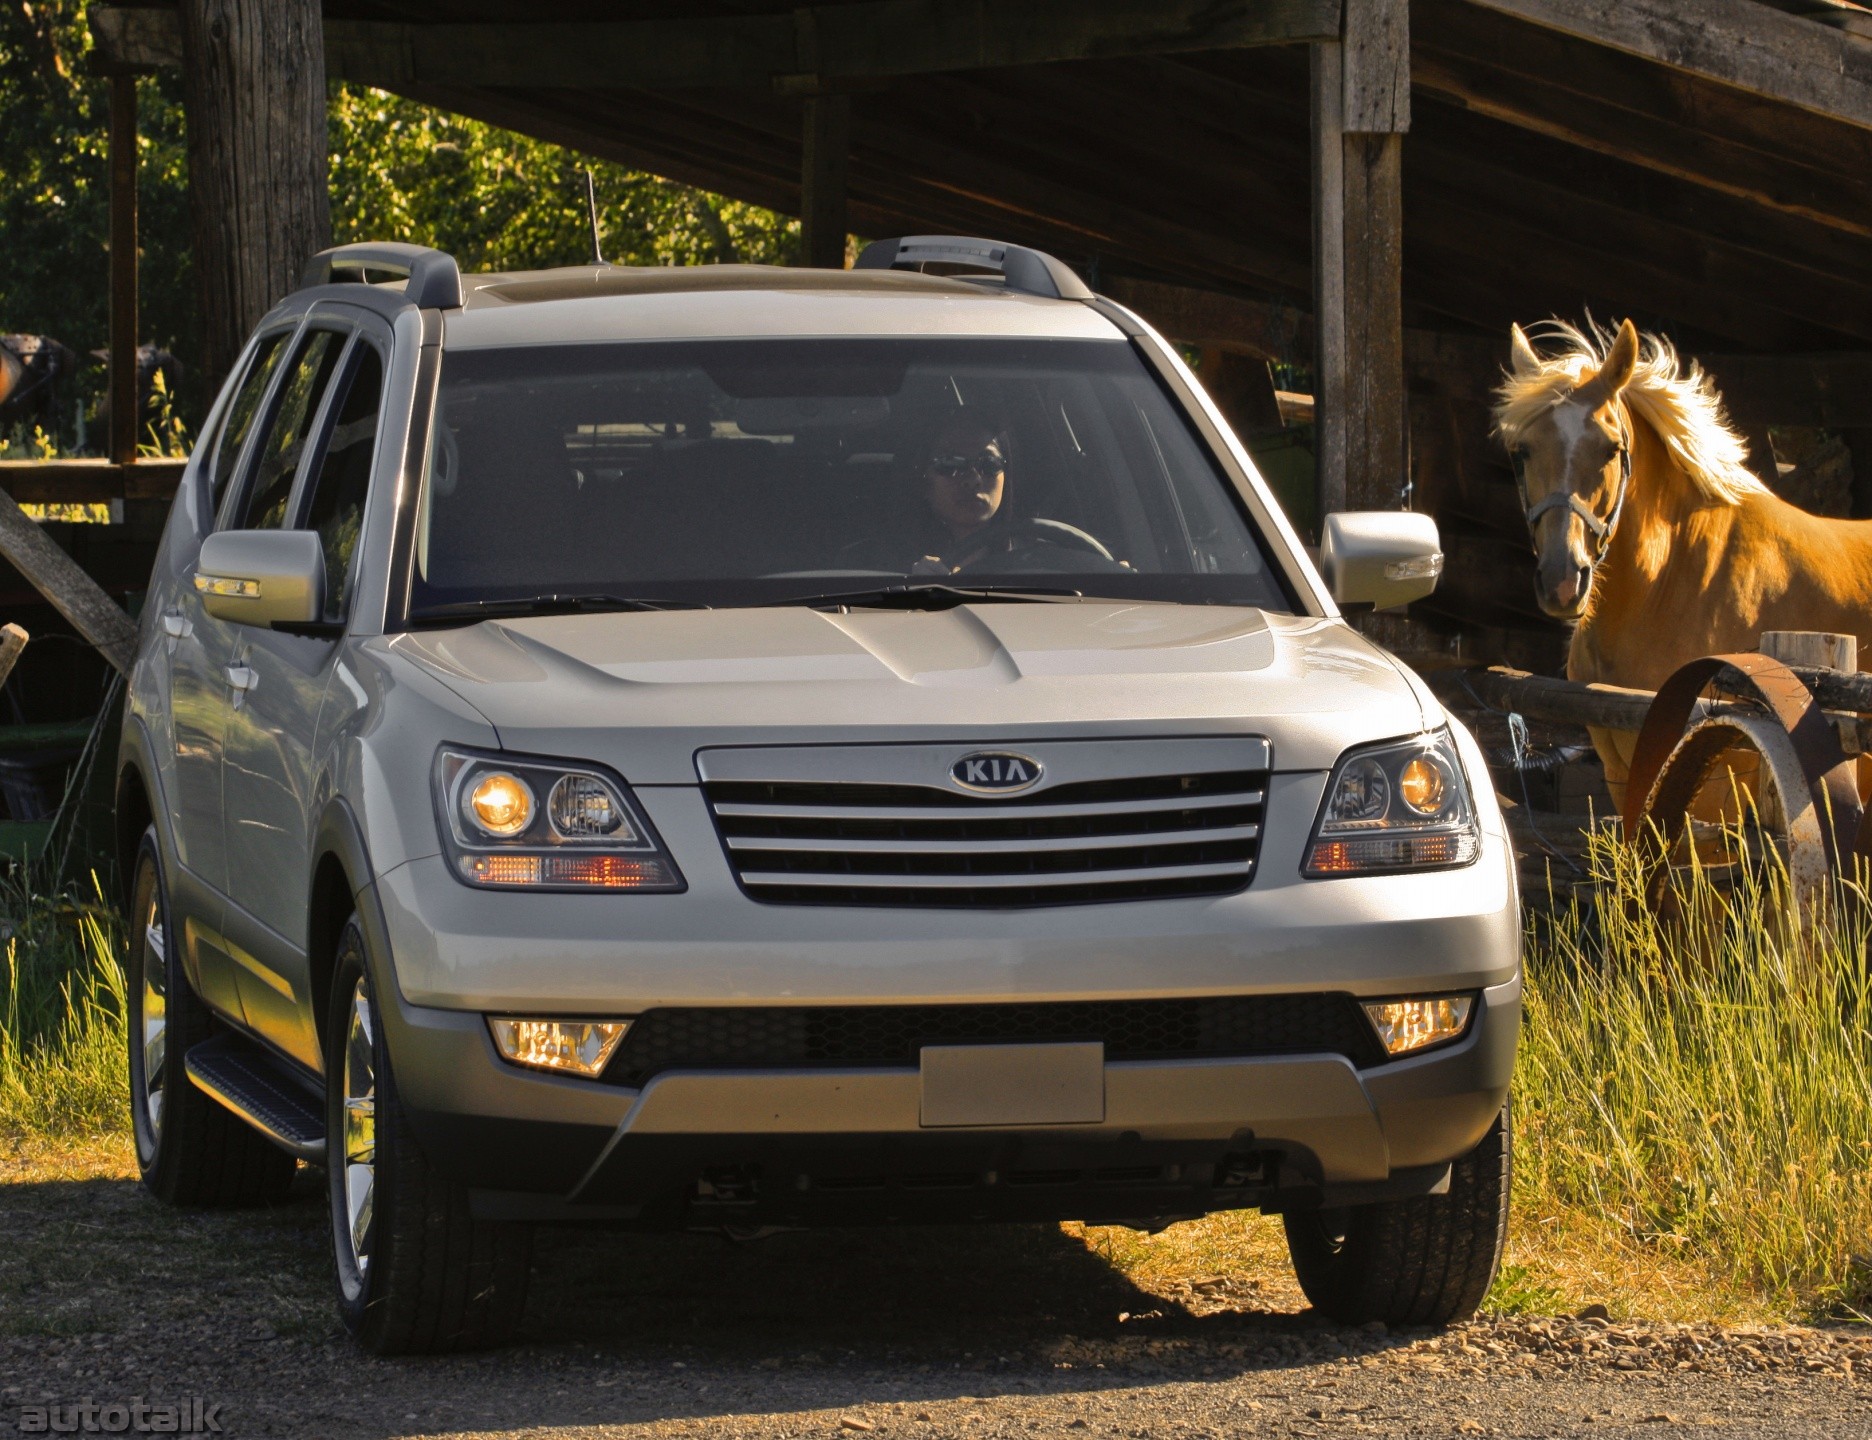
<point x="748" y="472"/>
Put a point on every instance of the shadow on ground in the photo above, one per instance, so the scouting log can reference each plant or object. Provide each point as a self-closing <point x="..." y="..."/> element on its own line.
<point x="105" y="1294"/>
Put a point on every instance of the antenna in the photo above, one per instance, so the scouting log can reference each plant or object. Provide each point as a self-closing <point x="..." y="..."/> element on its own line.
<point x="591" y="209"/>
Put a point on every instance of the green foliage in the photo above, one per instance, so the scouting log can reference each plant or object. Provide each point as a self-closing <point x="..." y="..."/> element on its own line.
<point x="497" y="200"/>
<point x="1704" y="1082"/>
<point x="399" y="171"/>
<point x="54" y="195"/>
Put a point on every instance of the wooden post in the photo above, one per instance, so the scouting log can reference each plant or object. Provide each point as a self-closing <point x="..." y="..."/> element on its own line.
<point x="822" y="181"/>
<point x="1821" y="648"/>
<point x="254" y="86"/>
<point x="1361" y="109"/>
<point x="125" y="412"/>
<point x="12" y="640"/>
<point x="1329" y="307"/>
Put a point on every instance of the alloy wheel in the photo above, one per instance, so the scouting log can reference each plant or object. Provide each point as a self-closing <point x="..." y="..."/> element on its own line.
<point x="360" y="1128"/>
<point x="155" y="1007"/>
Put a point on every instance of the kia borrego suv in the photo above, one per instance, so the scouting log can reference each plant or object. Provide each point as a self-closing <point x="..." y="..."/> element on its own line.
<point x="740" y="747"/>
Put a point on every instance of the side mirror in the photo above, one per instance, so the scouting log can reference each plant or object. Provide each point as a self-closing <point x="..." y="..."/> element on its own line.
<point x="1381" y="558"/>
<point x="262" y="577"/>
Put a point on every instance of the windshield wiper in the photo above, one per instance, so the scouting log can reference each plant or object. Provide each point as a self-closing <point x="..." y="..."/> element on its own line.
<point x="546" y="605"/>
<point x="930" y="597"/>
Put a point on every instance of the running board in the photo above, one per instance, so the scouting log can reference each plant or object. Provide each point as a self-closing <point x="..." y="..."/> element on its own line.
<point x="263" y="1091"/>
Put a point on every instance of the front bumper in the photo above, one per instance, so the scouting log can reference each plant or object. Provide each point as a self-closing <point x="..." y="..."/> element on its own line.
<point x="839" y="1145"/>
<point x="791" y="1146"/>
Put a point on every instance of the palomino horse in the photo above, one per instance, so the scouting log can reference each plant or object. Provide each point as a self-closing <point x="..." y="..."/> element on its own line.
<point x="1651" y="536"/>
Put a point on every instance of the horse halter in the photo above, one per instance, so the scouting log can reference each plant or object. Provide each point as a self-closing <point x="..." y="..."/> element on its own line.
<point x="1600" y="530"/>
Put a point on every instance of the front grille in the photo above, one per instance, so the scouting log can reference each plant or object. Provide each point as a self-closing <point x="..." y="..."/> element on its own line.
<point x="829" y="1036"/>
<point x="794" y="842"/>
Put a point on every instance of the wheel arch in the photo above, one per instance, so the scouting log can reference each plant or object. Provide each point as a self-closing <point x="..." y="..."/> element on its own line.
<point x="341" y="883"/>
<point x="137" y="802"/>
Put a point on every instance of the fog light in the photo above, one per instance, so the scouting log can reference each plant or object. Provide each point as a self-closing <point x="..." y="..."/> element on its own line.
<point x="577" y="1047"/>
<point x="1405" y="1026"/>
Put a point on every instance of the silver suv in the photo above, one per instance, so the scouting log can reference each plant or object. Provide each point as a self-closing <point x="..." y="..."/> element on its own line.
<point x="741" y="747"/>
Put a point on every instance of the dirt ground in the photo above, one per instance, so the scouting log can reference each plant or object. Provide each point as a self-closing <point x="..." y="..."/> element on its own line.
<point x="1020" y="1331"/>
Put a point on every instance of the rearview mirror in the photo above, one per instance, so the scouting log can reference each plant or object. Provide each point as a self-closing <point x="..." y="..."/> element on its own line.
<point x="1381" y="558"/>
<point x="262" y="577"/>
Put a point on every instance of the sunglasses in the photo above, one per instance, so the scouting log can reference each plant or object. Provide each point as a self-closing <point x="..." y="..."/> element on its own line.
<point x="954" y="467"/>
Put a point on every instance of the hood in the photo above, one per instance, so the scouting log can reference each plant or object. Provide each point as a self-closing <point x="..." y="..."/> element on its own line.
<point x="644" y="692"/>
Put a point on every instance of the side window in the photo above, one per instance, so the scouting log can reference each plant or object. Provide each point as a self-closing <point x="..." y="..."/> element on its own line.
<point x="264" y="506"/>
<point x="337" y="509"/>
<point x="241" y="411"/>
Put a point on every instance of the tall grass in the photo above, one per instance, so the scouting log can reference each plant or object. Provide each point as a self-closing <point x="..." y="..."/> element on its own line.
<point x="1703" y="1082"/>
<point x="62" y="1044"/>
<point x="1699" y="1085"/>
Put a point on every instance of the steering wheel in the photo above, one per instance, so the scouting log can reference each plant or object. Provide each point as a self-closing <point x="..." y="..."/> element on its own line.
<point x="1038" y="544"/>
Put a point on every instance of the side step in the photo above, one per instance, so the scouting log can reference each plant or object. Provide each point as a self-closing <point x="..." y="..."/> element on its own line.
<point x="264" y="1091"/>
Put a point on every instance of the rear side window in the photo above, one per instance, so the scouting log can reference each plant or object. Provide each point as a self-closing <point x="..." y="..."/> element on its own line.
<point x="241" y="412"/>
<point x="264" y="507"/>
<point x="337" y="509"/>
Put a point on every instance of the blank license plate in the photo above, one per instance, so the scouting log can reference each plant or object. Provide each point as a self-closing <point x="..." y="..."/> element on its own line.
<point x="1013" y="1084"/>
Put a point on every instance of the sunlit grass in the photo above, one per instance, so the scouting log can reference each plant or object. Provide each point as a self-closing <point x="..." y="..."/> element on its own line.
<point x="1697" y="1089"/>
<point x="62" y="1047"/>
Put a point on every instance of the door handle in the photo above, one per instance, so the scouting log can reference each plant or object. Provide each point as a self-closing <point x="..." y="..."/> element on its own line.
<point x="176" y="625"/>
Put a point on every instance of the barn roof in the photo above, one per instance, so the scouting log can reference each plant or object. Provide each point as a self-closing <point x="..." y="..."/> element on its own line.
<point x="1703" y="166"/>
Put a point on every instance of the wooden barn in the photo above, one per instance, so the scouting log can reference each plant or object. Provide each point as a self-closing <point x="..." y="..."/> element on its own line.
<point x="1350" y="198"/>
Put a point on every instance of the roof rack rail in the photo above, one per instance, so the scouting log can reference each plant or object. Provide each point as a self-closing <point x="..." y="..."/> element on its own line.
<point x="1031" y="272"/>
<point x="434" y="282"/>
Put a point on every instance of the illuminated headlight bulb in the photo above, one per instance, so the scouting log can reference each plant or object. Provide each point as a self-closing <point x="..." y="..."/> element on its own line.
<point x="500" y="804"/>
<point x="1423" y="785"/>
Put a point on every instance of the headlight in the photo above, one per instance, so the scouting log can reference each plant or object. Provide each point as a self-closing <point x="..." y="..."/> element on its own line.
<point x="1395" y="807"/>
<point x="516" y="824"/>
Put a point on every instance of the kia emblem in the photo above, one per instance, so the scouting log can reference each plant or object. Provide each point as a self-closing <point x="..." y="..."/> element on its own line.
<point x="996" y="772"/>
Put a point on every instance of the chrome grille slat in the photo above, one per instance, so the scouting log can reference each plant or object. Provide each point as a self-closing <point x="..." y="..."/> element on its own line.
<point x="971" y="882"/>
<point x="884" y="825"/>
<point x="1016" y="842"/>
<point x="983" y="811"/>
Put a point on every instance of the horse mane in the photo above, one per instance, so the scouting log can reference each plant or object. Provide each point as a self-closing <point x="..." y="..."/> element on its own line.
<point x="1677" y="398"/>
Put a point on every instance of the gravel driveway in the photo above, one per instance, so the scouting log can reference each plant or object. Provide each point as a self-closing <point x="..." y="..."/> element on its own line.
<point x="104" y="1296"/>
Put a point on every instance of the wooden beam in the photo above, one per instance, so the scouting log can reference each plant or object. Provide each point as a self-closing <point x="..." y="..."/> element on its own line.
<point x="74" y="594"/>
<point x="89" y="482"/>
<point x="1739" y="43"/>
<point x="827" y="148"/>
<point x="874" y="39"/>
<point x="138" y="38"/>
<point x="125" y="411"/>
<point x="1641" y="131"/>
<point x="1834" y="391"/>
<point x="1205" y="319"/>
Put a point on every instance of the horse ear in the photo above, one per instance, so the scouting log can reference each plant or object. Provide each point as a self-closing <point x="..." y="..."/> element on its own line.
<point x="1621" y="360"/>
<point x="1526" y="362"/>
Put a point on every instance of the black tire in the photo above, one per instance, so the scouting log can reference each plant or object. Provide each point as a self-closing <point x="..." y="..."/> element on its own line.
<point x="1423" y="1261"/>
<point x="433" y="1278"/>
<point x="191" y="1150"/>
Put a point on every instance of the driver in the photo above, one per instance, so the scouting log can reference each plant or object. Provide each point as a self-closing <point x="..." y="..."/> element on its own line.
<point x="965" y="486"/>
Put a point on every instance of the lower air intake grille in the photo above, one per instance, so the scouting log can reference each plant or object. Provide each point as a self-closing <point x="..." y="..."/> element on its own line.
<point x="829" y="1036"/>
